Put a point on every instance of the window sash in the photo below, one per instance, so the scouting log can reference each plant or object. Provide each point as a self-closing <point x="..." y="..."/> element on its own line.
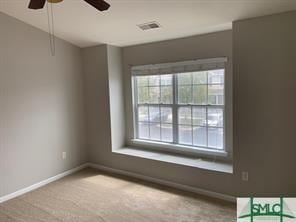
<point x="206" y="126"/>
<point x="175" y="107"/>
<point x="160" y="122"/>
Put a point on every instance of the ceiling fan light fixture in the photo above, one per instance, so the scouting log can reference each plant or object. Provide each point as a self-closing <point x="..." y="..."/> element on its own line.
<point x="54" y="1"/>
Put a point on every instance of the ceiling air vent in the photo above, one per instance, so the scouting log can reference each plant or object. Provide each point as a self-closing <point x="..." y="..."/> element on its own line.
<point x="148" y="26"/>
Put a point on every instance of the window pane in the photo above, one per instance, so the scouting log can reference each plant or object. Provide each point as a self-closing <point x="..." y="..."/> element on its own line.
<point x="143" y="113"/>
<point x="166" y="80"/>
<point x="185" y="135"/>
<point x="184" y="79"/>
<point x="215" y="117"/>
<point x="166" y="132"/>
<point x="154" y="80"/>
<point x="154" y="131"/>
<point x="154" y="115"/>
<point x="199" y="116"/>
<point x="143" y="130"/>
<point x="166" y="115"/>
<point x="199" y="77"/>
<point x="142" y="80"/>
<point x="154" y="94"/>
<point x="199" y="136"/>
<point x="216" y="76"/>
<point x="199" y="125"/>
<point x="200" y="94"/>
<point x="216" y="94"/>
<point x="215" y="138"/>
<point x="143" y="96"/>
<point x="167" y="94"/>
<point x="184" y="94"/>
<point x="184" y="115"/>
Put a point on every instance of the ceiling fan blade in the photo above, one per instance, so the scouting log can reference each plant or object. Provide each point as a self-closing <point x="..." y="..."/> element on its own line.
<point x="98" y="4"/>
<point x="37" y="4"/>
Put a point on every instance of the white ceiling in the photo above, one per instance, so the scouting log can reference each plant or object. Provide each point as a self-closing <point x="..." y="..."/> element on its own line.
<point x="83" y="25"/>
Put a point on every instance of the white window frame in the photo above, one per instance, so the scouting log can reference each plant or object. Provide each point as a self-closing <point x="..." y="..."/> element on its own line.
<point x="175" y="147"/>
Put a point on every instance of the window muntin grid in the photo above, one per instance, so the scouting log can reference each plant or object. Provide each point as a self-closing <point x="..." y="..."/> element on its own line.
<point x="167" y="97"/>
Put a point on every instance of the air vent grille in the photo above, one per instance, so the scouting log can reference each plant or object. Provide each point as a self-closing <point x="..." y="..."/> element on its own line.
<point x="148" y="26"/>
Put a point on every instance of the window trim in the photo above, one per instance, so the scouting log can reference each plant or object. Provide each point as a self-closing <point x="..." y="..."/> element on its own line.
<point x="175" y="147"/>
<point x="180" y="149"/>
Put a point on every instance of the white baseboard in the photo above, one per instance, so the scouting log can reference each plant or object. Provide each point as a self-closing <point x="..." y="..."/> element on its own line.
<point x="41" y="184"/>
<point x="122" y="172"/>
<point x="166" y="183"/>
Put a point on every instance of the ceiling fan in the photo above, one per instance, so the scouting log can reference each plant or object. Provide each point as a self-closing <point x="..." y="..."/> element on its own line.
<point x="101" y="5"/>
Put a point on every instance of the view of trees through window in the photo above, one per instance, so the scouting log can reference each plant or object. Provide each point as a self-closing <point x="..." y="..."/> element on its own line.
<point x="185" y="108"/>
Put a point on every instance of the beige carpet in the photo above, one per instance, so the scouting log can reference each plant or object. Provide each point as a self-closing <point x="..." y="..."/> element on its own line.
<point x="94" y="196"/>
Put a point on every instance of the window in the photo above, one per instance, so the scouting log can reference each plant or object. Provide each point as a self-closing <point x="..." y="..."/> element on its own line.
<point x="184" y="109"/>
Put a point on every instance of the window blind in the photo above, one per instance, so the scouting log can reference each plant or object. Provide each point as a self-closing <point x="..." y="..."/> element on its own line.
<point x="180" y="67"/>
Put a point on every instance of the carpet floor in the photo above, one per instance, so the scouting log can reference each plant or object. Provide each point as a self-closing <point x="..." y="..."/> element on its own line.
<point x="95" y="196"/>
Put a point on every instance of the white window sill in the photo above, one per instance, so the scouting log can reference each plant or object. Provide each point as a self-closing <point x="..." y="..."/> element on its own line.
<point x="206" y="164"/>
<point x="182" y="149"/>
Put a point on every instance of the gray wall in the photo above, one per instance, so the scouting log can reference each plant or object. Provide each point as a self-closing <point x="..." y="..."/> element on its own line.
<point x="41" y="106"/>
<point x="265" y="106"/>
<point x="116" y="96"/>
<point x="264" y="109"/>
<point x="100" y="150"/>
<point x="95" y="69"/>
